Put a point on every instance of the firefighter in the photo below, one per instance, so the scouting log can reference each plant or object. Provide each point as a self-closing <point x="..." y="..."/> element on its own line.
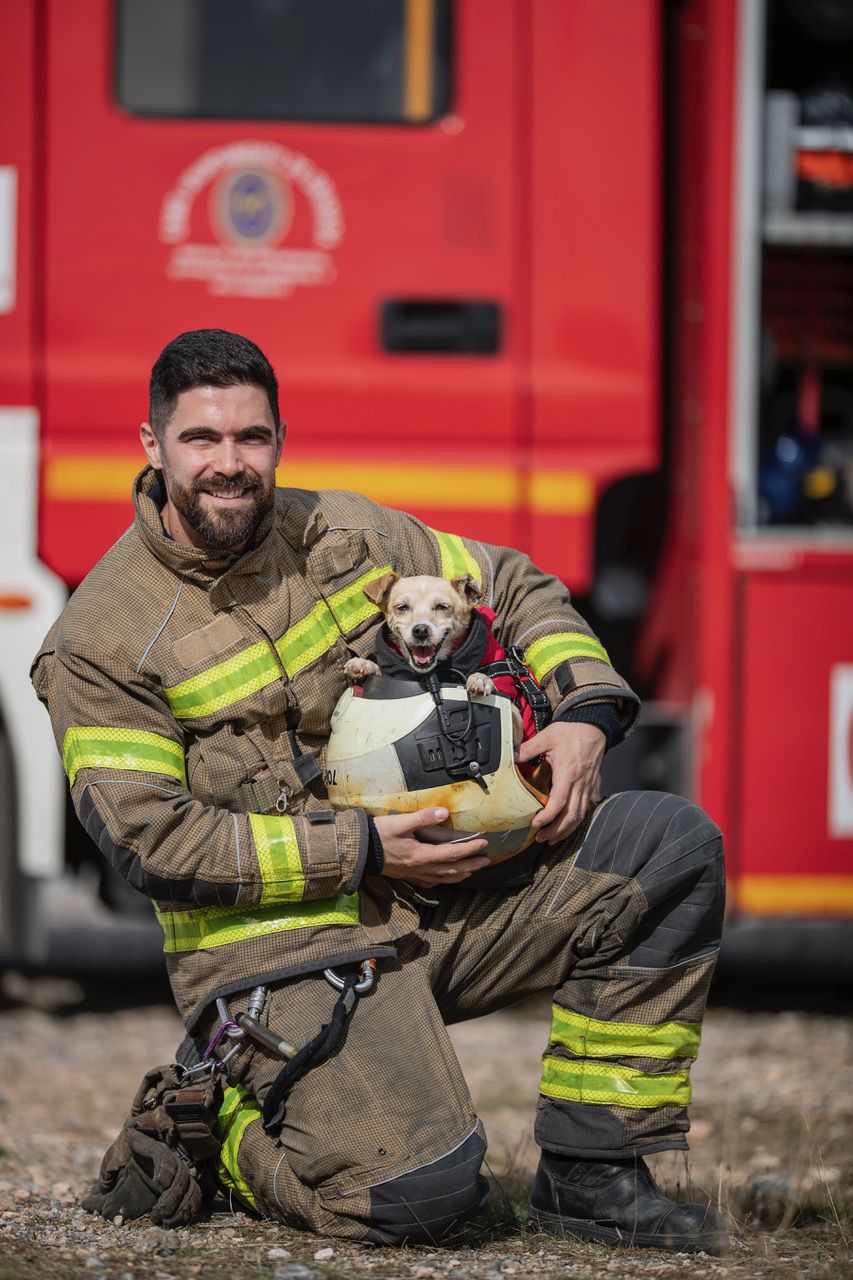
<point x="190" y="682"/>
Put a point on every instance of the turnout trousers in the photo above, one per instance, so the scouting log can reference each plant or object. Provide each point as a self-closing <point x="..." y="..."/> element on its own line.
<point x="620" y="924"/>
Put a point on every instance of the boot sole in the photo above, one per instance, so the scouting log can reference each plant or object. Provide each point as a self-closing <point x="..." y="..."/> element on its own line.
<point x="582" y="1229"/>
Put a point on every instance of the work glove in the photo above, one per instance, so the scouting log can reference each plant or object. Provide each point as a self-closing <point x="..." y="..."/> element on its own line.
<point x="140" y="1174"/>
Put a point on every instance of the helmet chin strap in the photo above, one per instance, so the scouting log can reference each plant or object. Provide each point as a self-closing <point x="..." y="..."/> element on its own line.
<point x="454" y="736"/>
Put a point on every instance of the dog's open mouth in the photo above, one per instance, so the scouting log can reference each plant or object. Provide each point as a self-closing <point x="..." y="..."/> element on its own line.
<point x="423" y="655"/>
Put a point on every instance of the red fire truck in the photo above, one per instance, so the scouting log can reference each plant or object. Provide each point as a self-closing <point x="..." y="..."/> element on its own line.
<point x="560" y="274"/>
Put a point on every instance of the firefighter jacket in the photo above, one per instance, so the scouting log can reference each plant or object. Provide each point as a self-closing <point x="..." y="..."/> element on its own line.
<point x="191" y="693"/>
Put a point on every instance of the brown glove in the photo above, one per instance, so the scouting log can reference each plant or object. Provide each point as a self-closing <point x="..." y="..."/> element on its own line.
<point x="139" y="1175"/>
<point x="142" y="1172"/>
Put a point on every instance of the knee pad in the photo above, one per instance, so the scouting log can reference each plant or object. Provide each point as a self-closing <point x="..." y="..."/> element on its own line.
<point x="424" y="1205"/>
<point x="674" y="851"/>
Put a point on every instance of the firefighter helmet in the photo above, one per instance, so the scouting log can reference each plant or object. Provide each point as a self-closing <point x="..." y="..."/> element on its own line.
<point x="396" y="747"/>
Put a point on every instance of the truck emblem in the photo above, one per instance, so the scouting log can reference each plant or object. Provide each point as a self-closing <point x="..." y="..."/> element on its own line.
<point x="259" y="194"/>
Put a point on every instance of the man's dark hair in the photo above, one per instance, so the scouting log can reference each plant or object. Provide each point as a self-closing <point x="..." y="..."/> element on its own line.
<point x="207" y="358"/>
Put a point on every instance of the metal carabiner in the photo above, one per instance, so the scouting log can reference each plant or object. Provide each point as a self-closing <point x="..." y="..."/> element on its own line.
<point x="364" y="984"/>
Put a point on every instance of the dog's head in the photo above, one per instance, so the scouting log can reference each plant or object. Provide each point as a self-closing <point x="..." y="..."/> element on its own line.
<point x="428" y="617"/>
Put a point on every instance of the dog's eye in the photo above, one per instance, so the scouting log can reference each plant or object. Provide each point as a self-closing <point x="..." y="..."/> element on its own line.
<point x="401" y="608"/>
<point x="441" y="607"/>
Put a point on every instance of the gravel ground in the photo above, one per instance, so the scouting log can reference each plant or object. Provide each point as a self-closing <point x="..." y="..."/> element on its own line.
<point x="770" y="1144"/>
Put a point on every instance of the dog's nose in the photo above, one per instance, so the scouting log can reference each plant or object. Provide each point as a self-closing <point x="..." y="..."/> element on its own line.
<point x="420" y="631"/>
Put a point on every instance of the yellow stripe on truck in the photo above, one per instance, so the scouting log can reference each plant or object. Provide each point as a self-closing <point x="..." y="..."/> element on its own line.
<point x="405" y="485"/>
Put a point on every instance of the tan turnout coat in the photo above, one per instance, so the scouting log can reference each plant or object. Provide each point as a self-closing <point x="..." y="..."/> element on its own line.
<point x="191" y="694"/>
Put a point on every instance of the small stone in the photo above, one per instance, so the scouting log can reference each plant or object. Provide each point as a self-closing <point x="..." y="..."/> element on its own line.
<point x="323" y="1255"/>
<point x="278" y="1254"/>
<point x="295" y="1271"/>
<point x="158" y="1240"/>
<point x="92" y="1262"/>
<point x="118" y="1220"/>
<point x="21" y="1194"/>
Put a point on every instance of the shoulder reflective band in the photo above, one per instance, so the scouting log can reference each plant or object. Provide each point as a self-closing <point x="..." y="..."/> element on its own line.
<point x="456" y="559"/>
<point x="591" y="1038"/>
<point x="237" y="1112"/>
<point x="278" y="858"/>
<point x="254" y="668"/>
<point x="607" y="1083"/>
<point x="211" y="927"/>
<point x="92" y="747"/>
<point x="547" y="653"/>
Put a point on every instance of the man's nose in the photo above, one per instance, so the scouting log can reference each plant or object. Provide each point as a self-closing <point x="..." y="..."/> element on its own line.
<point x="228" y="461"/>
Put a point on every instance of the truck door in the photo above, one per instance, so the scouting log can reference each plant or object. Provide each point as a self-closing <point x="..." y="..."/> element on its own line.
<point x="336" y="181"/>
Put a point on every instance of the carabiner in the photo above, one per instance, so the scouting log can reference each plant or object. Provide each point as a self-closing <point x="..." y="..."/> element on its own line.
<point x="368" y="977"/>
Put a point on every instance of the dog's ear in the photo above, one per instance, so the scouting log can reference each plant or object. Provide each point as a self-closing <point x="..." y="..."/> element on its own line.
<point x="467" y="587"/>
<point x="380" y="588"/>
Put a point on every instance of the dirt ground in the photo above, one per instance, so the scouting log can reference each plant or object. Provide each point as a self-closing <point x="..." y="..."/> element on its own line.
<point x="771" y="1144"/>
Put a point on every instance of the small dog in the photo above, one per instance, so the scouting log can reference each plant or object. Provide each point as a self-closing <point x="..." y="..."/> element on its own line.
<point x="428" y="618"/>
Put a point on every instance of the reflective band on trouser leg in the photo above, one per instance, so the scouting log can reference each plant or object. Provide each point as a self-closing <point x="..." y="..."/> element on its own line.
<point x="93" y="747"/>
<point x="237" y="1112"/>
<point x="575" y="1080"/>
<point x="217" y="926"/>
<point x="591" y="1038"/>
<point x="278" y="858"/>
<point x="545" y="654"/>
<point x="254" y="668"/>
<point x="456" y="559"/>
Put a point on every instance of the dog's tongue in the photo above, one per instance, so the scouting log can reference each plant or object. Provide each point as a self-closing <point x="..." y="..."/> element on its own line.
<point x="423" y="654"/>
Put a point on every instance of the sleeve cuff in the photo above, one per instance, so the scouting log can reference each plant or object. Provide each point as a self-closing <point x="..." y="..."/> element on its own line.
<point x="375" y="860"/>
<point x="601" y="714"/>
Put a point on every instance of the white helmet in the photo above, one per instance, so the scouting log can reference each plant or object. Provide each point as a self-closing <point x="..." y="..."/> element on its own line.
<point x="395" y="748"/>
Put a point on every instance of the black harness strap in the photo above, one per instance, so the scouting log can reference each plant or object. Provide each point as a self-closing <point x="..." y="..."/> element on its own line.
<point x="526" y="684"/>
<point x="312" y="1054"/>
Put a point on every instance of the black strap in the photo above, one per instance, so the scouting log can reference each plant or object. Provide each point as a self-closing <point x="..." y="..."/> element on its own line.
<point x="312" y="1054"/>
<point x="525" y="682"/>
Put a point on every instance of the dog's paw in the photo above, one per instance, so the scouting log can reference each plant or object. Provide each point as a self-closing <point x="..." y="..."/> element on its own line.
<point x="360" y="668"/>
<point x="479" y="685"/>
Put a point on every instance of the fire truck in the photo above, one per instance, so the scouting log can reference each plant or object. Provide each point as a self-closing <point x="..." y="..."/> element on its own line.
<point x="569" y="276"/>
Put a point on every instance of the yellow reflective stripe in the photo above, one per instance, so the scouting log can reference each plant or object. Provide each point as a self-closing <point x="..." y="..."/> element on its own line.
<point x="456" y="559"/>
<point x="239" y="1109"/>
<point x="545" y="654"/>
<point x="93" y="747"/>
<point x="612" y="1085"/>
<point x="350" y="605"/>
<point x="308" y="640"/>
<point x="228" y="682"/>
<point x="211" y="927"/>
<point x="592" y="1038"/>
<point x="278" y="858"/>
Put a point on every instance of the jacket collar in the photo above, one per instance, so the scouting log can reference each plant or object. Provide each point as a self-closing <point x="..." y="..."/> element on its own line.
<point x="296" y="516"/>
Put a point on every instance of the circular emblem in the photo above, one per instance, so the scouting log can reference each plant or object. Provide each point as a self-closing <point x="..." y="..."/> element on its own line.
<point x="252" y="207"/>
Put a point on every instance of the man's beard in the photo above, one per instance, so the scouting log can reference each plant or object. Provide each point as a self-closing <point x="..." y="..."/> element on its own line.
<point x="221" y="529"/>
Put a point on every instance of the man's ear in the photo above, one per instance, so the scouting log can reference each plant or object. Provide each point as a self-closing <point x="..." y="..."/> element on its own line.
<point x="280" y="435"/>
<point x="151" y="445"/>
<point x="467" y="587"/>
<point x="379" y="589"/>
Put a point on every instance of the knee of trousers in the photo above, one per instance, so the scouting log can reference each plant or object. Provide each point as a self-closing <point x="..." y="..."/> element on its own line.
<point x="674" y="852"/>
<point x="425" y="1205"/>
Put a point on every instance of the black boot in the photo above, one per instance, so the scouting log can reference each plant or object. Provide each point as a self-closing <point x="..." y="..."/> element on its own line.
<point x="617" y="1202"/>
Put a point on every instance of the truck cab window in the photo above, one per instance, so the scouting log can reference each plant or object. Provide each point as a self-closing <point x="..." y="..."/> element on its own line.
<point x="380" y="61"/>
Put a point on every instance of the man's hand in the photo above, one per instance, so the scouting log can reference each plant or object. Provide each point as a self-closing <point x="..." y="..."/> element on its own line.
<point x="427" y="865"/>
<point x="574" y="751"/>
